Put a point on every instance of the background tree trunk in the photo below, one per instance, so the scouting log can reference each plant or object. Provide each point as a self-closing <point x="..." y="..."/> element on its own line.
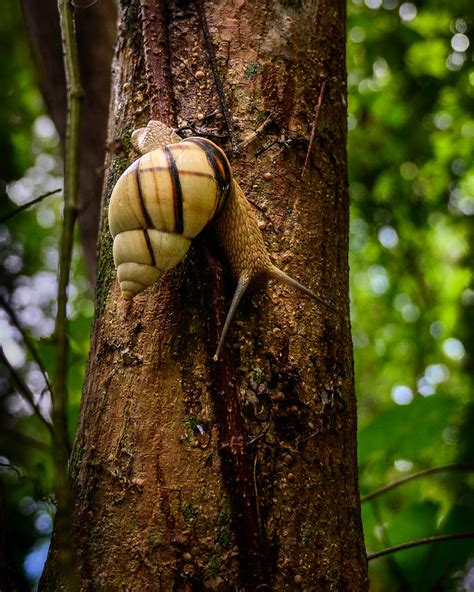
<point x="241" y="474"/>
<point x="96" y="33"/>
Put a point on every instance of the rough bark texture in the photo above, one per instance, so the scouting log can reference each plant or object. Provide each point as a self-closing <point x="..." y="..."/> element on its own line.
<point x="241" y="474"/>
<point x="96" y="33"/>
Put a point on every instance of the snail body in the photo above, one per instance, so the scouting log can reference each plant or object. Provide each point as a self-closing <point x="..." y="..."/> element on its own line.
<point x="166" y="198"/>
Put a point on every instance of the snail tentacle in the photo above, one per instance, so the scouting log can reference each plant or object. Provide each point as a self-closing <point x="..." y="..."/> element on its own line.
<point x="277" y="274"/>
<point x="242" y="286"/>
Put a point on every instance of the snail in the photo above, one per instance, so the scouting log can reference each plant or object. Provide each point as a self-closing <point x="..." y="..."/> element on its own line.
<point x="166" y="198"/>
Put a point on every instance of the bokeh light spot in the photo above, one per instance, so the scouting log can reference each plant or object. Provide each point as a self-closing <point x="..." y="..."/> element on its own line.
<point x="451" y="434"/>
<point x="407" y="11"/>
<point x="44" y="523"/>
<point x="460" y="42"/>
<point x="35" y="560"/>
<point x="408" y="170"/>
<point x="378" y="279"/>
<point x="357" y="34"/>
<point x="374" y="4"/>
<point x="388" y="237"/>
<point x="44" y="128"/>
<point x="403" y="465"/>
<point x="454" y="349"/>
<point x="402" y="394"/>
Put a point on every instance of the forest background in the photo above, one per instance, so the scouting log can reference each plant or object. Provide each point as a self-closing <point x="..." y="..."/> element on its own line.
<point x="411" y="140"/>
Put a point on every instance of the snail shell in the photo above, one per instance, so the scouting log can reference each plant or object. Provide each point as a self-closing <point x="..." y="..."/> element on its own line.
<point x="160" y="203"/>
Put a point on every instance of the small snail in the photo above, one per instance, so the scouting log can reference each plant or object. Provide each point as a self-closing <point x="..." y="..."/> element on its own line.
<point x="166" y="198"/>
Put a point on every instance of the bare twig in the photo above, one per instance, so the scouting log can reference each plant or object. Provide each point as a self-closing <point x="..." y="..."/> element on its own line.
<point x="425" y="541"/>
<point x="11" y="467"/>
<point x="71" y="182"/>
<point x="61" y="445"/>
<point x="24" y="390"/>
<point x="262" y="434"/>
<point x="27" y="205"/>
<point x="25" y="439"/>
<point x="432" y="471"/>
<point x="258" y="132"/>
<point x="215" y="72"/>
<point x="313" y="128"/>
<point x="265" y="148"/>
<point x="185" y="65"/>
<point x="30" y="346"/>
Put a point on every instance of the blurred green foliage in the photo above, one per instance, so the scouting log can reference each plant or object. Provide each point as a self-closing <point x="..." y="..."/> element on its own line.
<point x="29" y="167"/>
<point x="411" y="141"/>
<point x="411" y="121"/>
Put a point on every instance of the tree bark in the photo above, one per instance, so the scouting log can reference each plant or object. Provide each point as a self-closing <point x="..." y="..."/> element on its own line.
<point x="240" y="474"/>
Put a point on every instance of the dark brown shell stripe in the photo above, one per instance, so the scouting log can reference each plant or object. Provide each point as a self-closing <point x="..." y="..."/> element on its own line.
<point x="146" y="215"/>
<point x="175" y="187"/>
<point x="177" y="192"/>
<point x="220" y="167"/>
<point x="149" y="247"/>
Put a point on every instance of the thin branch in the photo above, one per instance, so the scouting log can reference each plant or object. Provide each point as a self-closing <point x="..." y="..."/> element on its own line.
<point x="11" y="467"/>
<point x="71" y="183"/>
<point x="24" y="390"/>
<point x="215" y="71"/>
<point x="61" y="445"/>
<point x="35" y="481"/>
<point x="30" y="346"/>
<point x="265" y="148"/>
<point x="425" y="541"/>
<point x="25" y="439"/>
<point x="258" y="132"/>
<point x="28" y="205"/>
<point x="313" y="128"/>
<point x="403" y="480"/>
<point x="185" y="65"/>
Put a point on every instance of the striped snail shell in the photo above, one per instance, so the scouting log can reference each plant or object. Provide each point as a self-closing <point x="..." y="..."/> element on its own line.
<point x="166" y="198"/>
<point x="161" y="202"/>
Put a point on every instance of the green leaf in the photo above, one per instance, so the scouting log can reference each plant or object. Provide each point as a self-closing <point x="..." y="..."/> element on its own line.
<point x="404" y="431"/>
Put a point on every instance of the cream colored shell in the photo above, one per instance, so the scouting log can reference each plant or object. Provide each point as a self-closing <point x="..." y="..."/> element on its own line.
<point x="162" y="201"/>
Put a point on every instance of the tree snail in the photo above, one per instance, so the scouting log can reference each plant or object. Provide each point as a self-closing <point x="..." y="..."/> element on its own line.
<point x="166" y="198"/>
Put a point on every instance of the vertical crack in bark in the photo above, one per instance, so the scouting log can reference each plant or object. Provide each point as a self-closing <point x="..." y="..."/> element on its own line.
<point x="165" y="503"/>
<point x="237" y="463"/>
<point x="156" y="47"/>
<point x="215" y="72"/>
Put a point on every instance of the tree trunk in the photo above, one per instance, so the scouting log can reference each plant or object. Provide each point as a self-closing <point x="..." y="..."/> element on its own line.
<point x="241" y="474"/>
